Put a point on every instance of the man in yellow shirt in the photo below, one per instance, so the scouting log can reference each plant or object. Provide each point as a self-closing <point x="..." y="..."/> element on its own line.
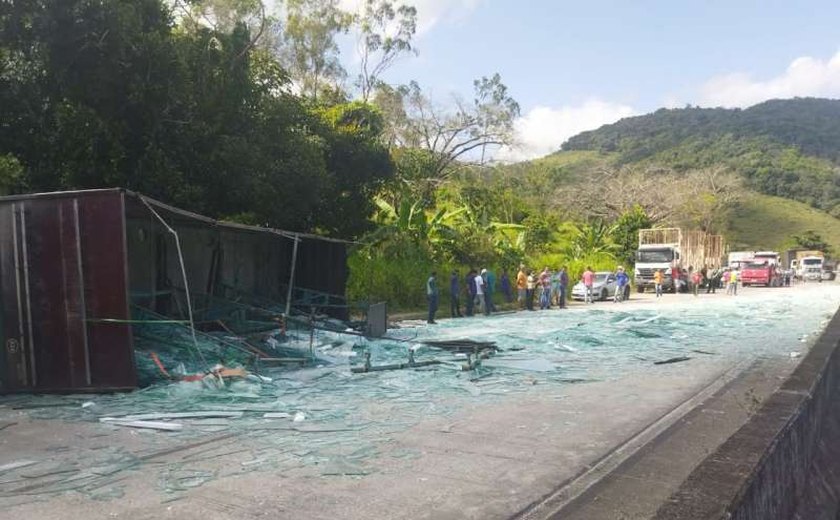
<point x="657" y="282"/>
<point x="521" y="285"/>
<point x="732" y="286"/>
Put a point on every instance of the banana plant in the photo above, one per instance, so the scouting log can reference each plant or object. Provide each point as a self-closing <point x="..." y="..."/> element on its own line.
<point x="591" y="240"/>
<point x="412" y="220"/>
<point x="505" y="235"/>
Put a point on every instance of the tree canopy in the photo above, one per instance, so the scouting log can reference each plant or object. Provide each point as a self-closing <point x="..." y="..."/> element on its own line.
<point x="117" y="93"/>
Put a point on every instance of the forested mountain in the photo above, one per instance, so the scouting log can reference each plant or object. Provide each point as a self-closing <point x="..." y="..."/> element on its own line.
<point x="788" y="148"/>
<point x="810" y="124"/>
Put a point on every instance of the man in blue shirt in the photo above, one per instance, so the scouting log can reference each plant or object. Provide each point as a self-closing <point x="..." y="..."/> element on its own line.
<point x="455" y="295"/>
<point x="621" y="281"/>
<point x="432" y="296"/>
<point x="564" y="283"/>
<point x="490" y="289"/>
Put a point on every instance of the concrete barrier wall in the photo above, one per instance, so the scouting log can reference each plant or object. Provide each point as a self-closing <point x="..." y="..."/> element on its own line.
<point x="785" y="462"/>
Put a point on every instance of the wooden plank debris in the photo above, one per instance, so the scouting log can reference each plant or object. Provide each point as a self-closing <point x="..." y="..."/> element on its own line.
<point x="152" y="425"/>
<point x="215" y="414"/>
<point x="395" y="366"/>
<point x="462" y="345"/>
<point x="17" y="464"/>
<point x="672" y="360"/>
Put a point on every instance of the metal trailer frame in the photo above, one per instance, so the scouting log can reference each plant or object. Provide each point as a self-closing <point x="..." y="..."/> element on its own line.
<point x="72" y="263"/>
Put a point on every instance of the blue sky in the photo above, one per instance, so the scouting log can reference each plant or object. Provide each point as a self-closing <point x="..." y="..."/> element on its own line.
<point x="576" y="65"/>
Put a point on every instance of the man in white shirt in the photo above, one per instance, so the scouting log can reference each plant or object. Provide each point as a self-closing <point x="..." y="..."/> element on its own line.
<point x="479" y="294"/>
<point x="488" y="292"/>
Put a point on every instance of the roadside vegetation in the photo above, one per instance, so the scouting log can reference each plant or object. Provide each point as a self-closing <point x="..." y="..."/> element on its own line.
<point x="227" y="109"/>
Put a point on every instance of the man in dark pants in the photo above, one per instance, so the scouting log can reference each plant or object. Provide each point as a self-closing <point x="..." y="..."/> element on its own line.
<point x="491" y="288"/>
<point x="454" y="295"/>
<point x="470" y="280"/>
<point x="564" y="282"/>
<point x="432" y="296"/>
<point x="531" y="284"/>
<point x="488" y="295"/>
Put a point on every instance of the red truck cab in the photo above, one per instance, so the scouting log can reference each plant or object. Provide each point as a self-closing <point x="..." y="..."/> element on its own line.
<point x="765" y="273"/>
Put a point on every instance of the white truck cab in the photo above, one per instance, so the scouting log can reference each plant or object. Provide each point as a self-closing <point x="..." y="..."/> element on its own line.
<point x="656" y="257"/>
<point x="811" y="268"/>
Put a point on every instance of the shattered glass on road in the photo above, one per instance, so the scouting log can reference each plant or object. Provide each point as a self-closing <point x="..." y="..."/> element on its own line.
<point x="326" y="421"/>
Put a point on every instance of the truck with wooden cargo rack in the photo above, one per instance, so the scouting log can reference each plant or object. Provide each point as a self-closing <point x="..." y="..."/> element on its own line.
<point x="674" y="251"/>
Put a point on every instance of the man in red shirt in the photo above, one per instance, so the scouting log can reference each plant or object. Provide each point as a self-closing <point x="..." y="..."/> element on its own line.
<point x="588" y="281"/>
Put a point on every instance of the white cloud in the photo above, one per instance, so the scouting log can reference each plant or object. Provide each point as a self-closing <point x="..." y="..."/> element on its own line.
<point x="429" y="12"/>
<point x="543" y="129"/>
<point x="805" y="76"/>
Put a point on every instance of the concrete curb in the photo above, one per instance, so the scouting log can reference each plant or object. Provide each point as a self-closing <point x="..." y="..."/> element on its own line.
<point x="785" y="462"/>
<point x="553" y="504"/>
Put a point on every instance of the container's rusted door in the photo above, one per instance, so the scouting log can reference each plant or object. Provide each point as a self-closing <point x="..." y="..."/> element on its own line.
<point x="65" y="306"/>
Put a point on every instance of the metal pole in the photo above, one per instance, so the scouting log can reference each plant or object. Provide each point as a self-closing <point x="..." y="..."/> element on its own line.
<point x="184" y="276"/>
<point x="80" y="273"/>
<point x="22" y="339"/>
<point x="292" y="276"/>
<point x="24" y="243"/>
<point x="311" y="328"/>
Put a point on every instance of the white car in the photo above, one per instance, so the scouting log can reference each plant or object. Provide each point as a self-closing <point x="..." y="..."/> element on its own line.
<point x="602" y="289"/>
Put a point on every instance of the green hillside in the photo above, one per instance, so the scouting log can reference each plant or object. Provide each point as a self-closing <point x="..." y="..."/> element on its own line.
<point x="761" y="222"/>
<point x="787" y="148"/>
<point x="809" y="124"/>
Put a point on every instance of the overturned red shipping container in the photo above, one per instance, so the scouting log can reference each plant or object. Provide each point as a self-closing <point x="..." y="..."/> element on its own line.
<point x="72" y="265"/>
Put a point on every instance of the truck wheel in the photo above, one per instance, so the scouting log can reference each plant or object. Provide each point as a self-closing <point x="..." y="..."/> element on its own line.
<point x="640" y="288"/>
<point x="627" y="293"/>
<point x="603" y="295"/>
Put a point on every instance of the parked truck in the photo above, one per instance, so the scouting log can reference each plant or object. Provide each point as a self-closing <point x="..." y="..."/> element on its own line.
<point x="811" y="268"/>
<point x="674" y="251"/>
<point x="738" y="259"/>
<point x="795" y="257"/>
<point x="765" y="269"/>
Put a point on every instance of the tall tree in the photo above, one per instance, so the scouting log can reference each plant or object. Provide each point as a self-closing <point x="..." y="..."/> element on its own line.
<point x="309" y="49"/>
<point x="697" y="198"/>
<point x="112" y="93"/>
<point x="385" y="34"/>
<point x="458" y="135"/>
<point x="223" y="16"/>
<point x="625" y="233"/>
<point x="359" y="164"/>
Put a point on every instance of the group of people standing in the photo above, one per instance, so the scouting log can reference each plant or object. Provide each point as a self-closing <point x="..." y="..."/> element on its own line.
<point x="711" y="278"/>
<point x="622" y="282"/>
<point x="480" y="288"/>
<point x="548" y="287"/>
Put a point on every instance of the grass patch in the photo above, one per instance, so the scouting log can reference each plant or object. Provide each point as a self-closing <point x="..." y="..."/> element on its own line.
<point x="762" y="222"/>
